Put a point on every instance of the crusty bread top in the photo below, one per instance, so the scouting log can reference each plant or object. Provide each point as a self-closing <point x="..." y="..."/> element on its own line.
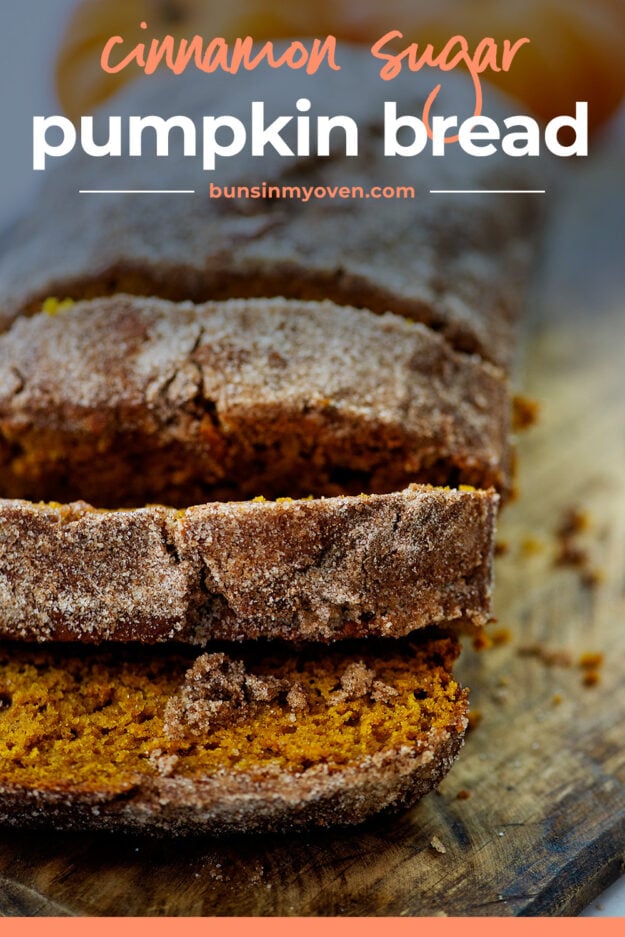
<point x="455" y="262"/>
<point x="315" y="570"/>
<point x="128" y="400"/>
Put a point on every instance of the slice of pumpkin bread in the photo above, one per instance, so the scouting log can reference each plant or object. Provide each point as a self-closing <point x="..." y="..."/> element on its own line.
<point x="129" y="400"/>
<point x="312" y="569"/>
<point x="251" y="740"/>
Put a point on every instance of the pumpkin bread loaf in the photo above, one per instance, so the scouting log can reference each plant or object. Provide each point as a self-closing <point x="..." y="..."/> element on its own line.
<point x="385" y="365"/>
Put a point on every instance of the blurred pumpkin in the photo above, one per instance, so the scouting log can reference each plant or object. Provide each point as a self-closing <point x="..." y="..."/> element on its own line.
<point x="82" y="84"/>
<point x="575" y="51"/>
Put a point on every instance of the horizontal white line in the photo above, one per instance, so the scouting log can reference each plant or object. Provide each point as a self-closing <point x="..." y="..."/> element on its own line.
<point x="488" y="191"/>
<point x="136" y="191"/>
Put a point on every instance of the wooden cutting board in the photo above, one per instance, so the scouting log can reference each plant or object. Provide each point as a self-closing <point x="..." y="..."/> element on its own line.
<point x="544" y="828"/>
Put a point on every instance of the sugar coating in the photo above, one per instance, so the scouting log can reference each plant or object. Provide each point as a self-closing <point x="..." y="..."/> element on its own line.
<point x="122" y="400"/>
<point x="304" y="570"/>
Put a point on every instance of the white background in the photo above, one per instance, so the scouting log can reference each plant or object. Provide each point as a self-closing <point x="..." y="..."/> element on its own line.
<point x="26" y="90"/>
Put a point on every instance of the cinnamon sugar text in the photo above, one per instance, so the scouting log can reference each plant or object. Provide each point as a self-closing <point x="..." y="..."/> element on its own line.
<point x="221" y="136"/>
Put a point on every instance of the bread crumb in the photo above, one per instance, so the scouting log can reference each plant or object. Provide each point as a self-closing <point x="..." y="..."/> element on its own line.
<point x="382" y="693"/>
<point x="297" y="699"/>
<point x="556" y="699"/>
<point x="482" y="641"/>
<point x="570" y="552"/>
<point x="591" y="678"/>
<point x="531" y="546"/>
<point x="590" y="663"/>
<point x="591" y="578"/>
<point x="212" y="692"/>
<point x="163" y="763"/>
<point x="525" y="412"/>
<point x="501" y="636"/>
<point x="463" y="794"/>
<point x="574" y="521"/>
<point x="356" y="682"/>
<point x="591" y="660"/>
<point x="501" y="548"/>
<point x="53" y="306"/>
<point x="218" y="691"/>
<point x="262" y="689"/>
<point x="436" y="844"/>
<point x="359" y="681"/>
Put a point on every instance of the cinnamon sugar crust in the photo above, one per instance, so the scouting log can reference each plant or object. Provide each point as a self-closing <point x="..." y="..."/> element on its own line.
<point x="220" y="691"/>
<point x="126" y="400"/>
<point x="317" y="570"/>
<point x="277" y="803"/>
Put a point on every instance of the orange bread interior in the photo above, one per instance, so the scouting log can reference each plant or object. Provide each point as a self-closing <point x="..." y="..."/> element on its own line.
<point x="100" y="719"/>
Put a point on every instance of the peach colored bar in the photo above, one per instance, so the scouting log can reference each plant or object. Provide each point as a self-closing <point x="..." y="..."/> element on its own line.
<point x="309" y="927"/>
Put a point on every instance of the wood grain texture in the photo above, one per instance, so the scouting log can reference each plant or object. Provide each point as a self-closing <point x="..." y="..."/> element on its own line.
<point x="544" y="828"/>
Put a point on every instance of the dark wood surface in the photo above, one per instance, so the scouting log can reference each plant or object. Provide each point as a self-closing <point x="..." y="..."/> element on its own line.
<point x="544" y="828"/>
